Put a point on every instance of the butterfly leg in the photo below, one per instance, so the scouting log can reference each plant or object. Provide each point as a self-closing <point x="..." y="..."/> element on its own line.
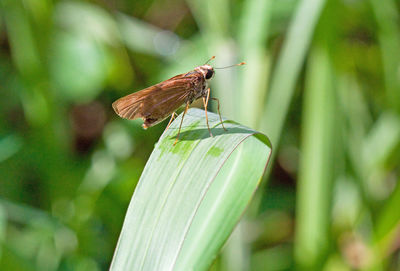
<point x="219" y="113"/>
<point x="179" y="131"/>
<point x="170" y="121"/>
<point x="205" y="102"/>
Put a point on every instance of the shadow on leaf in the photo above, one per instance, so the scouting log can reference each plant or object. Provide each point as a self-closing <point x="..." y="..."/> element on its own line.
<point x="203" y="133"/>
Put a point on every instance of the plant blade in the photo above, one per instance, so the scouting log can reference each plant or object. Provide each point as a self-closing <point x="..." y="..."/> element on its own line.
<point x="185" y="195"/>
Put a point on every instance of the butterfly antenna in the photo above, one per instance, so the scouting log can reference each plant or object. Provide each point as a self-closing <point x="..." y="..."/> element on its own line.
<point x="240" y="64"/>
<point x="209" y="60"/>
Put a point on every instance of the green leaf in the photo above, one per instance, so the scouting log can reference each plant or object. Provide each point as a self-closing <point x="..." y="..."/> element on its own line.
<point x="288" y="67"/>
<point x="256" y="16"/>
<point x="191" y="195"/>
<point x="314" y="192"/>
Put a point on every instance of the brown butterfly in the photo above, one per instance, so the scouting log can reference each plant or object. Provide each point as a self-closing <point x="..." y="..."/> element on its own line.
<point x="156" y="103"/>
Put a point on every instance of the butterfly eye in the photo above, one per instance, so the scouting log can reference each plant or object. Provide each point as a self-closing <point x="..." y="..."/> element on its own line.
<point x="209" y="74"/>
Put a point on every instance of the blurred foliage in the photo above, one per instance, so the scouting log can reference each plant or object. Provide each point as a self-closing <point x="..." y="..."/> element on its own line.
<point x="322" y="80"/>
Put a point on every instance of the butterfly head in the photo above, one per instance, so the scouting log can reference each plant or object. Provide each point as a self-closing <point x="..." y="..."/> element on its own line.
<point x="206" y="70"/>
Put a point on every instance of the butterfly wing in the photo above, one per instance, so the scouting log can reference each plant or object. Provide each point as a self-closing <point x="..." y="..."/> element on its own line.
<point x="157" y="102"/>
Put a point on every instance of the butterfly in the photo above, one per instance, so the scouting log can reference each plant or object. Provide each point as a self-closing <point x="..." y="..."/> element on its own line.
<point x="157" y="102"/>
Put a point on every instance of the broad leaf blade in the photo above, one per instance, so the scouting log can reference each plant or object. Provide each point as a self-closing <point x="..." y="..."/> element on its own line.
<point x="191" y="195"/>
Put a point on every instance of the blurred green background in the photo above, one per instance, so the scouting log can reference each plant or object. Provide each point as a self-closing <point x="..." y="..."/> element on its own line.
<point x="322" y="80"/>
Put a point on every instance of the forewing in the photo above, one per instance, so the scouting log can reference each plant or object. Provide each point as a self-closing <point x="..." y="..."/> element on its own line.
<point x="158" y="101"/>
